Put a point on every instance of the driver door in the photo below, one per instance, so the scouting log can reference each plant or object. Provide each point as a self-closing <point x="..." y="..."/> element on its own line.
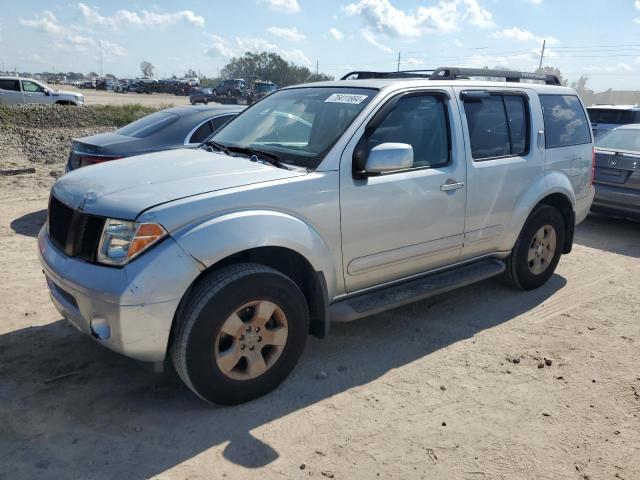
<point x="410" y="221"/>
<point x="34" y="93"/>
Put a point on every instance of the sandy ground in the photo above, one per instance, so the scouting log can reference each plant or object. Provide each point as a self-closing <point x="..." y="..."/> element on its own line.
<point x="427" y="391"/>
<point x="102" y="97"/>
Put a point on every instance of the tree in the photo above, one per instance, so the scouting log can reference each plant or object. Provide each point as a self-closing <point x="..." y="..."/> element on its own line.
<point x="191" y="73"/>
<point x="269" y="66"/>
<point x="587" y="95"/>
<point x="147" y="69"/>
<point x="549" y="70"/>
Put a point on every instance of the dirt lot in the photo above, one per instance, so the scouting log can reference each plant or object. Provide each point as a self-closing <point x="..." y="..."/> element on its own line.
<point x="447" y="388"/>
<point x="102" y="97"/>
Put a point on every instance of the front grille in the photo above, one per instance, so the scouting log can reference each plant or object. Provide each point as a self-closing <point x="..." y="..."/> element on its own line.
<point x="75" y="233"/>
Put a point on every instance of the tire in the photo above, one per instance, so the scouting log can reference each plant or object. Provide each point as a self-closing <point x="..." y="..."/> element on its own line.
<point x="197" y="349"/>
<point x="192" y="102"/>
<point x="529" y="272"/>
<point x="206" y="101"/>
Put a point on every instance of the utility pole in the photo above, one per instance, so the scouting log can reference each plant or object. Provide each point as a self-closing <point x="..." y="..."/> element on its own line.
<point x="544" y="43"/>
<point x="100" y="52"/>
<point x="317" y="62"/>
<point x="398" y="61"/>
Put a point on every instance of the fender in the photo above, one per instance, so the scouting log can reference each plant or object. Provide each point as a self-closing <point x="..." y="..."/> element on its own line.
<point x="552" y="181"/>
<point x="217" y="238"/>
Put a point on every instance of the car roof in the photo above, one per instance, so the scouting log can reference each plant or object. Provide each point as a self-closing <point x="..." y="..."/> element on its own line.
<point x="614" y="107"/>
<point x="629" y="126"/>
<point x="401" y="83"/>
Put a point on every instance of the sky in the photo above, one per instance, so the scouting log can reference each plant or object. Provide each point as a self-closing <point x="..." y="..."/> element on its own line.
<point x="596" y="38"/>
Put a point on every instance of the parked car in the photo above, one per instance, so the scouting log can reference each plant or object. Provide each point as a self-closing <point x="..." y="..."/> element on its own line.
<point x="617" y="173"/>
<point x="231" y="88"/>
<point x="225" y="257"/>
<point x="88" y="84"/>
<point x="177" y="127"/>
<point x="203" y="95"/>
<point x="607" y="117"/>
<point x="261" y="89"/>
<point x="18" y="91"/>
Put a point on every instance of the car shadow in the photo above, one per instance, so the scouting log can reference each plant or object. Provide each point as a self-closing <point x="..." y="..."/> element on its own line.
<point x="73" y="409"/>
<point x="29" y="224"/>
<point x="610" y="234"/>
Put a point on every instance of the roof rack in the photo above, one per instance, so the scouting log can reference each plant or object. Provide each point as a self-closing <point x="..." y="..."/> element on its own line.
<point x="456" y="73"/>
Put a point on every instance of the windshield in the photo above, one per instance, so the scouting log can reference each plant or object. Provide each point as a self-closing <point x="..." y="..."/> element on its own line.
<point x="627" y="139"/>
<point x="297" y="125"/>
<point x="265" y="87"/>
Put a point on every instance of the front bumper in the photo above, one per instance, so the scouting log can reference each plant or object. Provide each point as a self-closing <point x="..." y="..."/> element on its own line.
<point x="617" y="201"/>
<point x="129" y="310"/>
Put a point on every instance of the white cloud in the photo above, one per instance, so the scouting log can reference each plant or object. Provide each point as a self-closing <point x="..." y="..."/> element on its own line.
<point x="637" y="3"/>
<point x="290" y="34"/>
<point x="536" y="2"/>
<point x="223" y="47"/>
<point x="46" y="23"/>
<point x="413" y="61"/>
<point x="335" y="33"/>
<point x="143" y="18"/>
<point x="519" y="35"/>
<point x="624" y="66"/>
<point x="285" y="6"/>
<point x="458" y="43"/>
<point x="370" y="37"/>
<point x="445" y="17"/>
<point x="110" y="49"/>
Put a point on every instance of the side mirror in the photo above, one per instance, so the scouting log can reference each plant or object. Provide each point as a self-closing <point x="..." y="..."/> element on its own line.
<point x="388" y="157"/>
<point x="47" y="92"/>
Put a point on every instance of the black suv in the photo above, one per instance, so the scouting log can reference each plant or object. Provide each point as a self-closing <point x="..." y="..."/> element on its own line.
<point x="231" y="88"/>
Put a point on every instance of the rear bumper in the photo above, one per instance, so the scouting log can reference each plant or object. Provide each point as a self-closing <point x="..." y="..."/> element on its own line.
<point x="129" y="310"/>
<point x="616" y="201"/>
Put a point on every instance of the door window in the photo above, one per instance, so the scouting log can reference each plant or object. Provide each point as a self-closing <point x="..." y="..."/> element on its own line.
<point x="420" y="121"/>
<point x="11" y="85"/>
<point x="202" y="132"/>
<point x="565" y="122"/>
<point x="31" y="87"/>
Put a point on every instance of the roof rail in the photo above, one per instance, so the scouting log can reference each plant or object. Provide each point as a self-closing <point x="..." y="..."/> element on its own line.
<point x="364" y="74"/>
<point x="455" y="73"/>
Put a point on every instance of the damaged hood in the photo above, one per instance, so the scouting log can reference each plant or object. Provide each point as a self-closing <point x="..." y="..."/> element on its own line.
<point x="124" y="188"/>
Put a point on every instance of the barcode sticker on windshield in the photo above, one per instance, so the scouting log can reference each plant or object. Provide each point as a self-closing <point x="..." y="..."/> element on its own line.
<point x="345" y="98"/>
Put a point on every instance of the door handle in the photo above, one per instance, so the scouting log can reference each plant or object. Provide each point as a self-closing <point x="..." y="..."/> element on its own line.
<point x="451" y="186"/>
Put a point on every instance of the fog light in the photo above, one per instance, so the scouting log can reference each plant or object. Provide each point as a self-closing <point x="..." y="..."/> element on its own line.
<point x="100" y="328"/>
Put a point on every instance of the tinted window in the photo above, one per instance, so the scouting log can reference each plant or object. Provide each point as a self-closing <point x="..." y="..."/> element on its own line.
<point x="31" y="87"/>
<point x="608" y="115"/>
<point x="565" y="122"/>
<point x="420" y="121"/>
<point x="10" y="85"/>
<point x="488" y="130"/>
<point x="518" y="124"/>
<point x="222" y="120"/>
<point x="621" y="139"/>
<point x="147" y="125"/>
<point x="201" y="133"/>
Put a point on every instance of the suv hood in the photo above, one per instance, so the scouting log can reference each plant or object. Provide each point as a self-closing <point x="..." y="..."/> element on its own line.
<point x="124" y="188"/>
<point x="65" y="92"/>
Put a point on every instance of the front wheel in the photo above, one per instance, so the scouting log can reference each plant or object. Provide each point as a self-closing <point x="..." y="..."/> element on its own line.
<point x="240" y="334"/>
<point x="537" y="251"/>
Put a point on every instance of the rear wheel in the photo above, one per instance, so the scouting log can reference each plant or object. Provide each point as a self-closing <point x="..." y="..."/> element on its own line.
<point x="537" y="251"/>
<point x="240" y="334"/>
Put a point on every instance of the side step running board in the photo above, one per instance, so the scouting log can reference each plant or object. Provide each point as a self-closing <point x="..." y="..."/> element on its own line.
<point x="411" y="291"/>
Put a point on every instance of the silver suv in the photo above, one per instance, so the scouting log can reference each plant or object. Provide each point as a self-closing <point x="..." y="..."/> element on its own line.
<point x="322" y="202"/>
<point x="19" y="91"/>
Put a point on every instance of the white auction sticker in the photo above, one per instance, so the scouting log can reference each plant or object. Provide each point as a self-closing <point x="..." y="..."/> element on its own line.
<point x="345" y="98"/>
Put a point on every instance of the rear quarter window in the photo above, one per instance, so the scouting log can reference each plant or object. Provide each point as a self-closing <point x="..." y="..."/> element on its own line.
<point x="11" y="85"/>
<point x="147" y="125"/>
<point x="610" y="115"/>
<point x="565" y="121"/>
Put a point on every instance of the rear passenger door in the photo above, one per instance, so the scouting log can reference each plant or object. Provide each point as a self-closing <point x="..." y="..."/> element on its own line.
<point x="10" y="92"/>
<point x="568" y="142"/>
<point x="502" y="161"/>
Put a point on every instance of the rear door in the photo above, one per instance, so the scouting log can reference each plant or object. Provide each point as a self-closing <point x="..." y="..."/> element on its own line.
<point x="10" y="92"/>
<point x="568" y="142"/>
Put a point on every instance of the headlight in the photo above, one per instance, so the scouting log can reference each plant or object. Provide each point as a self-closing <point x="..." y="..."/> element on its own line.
<point x="122" y="240"/>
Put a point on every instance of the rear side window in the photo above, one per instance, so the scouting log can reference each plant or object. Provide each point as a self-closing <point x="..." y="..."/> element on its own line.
<point x="498" y="125"/>
<point x="147" y="125"/>
<point x="201" y="133"/>
<point x="12" y="85"/>
<point x="218" y="122"/>
<point x="565" y="122"/>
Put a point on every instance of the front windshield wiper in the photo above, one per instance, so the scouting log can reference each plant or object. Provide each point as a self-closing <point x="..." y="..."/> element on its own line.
<point x="258" y="155"/>
<point x="220" y="147"/>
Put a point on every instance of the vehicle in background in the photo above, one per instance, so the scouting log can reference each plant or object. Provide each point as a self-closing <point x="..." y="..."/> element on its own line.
<point x="201" y="95"/>
<point x="231" y="88"/>
<point x="329" y="201"/>
<point x="87" y="84"/>
<point x="178" y="127"/>
<point x="607" y="117"/>
<point x="617" y="172"/>
<point x="260" y="89"/>
<point x="19" y="91"/>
